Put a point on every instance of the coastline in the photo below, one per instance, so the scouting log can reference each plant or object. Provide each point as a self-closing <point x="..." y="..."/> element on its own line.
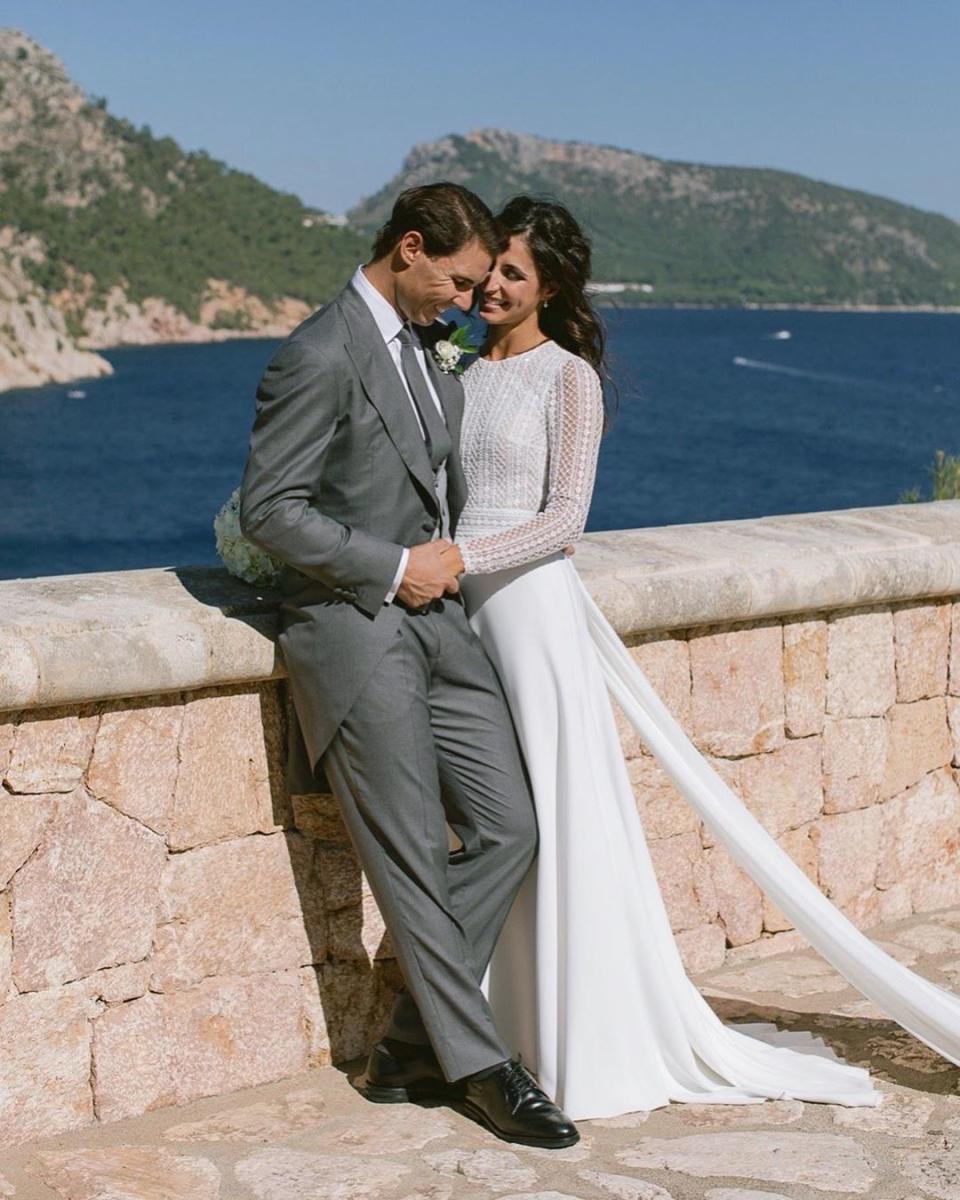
<point x="202" y="335"/>
<point x="775" y="306"/>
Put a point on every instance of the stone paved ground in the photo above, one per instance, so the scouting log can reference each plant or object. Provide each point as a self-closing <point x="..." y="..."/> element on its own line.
<point x="312" y="1136"/>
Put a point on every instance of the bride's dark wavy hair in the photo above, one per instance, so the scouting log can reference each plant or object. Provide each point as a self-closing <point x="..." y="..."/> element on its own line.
<point x="561" y="253"/>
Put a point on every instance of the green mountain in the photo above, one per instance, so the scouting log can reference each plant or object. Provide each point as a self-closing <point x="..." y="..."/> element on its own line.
<point x="702" y="234"/>
<point x="119" y="207"/>
<point x="110" y="235"/>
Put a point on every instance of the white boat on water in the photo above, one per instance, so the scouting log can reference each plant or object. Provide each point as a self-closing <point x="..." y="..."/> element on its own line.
<point x="781" y="335"/>
<point x="76" y="394"/>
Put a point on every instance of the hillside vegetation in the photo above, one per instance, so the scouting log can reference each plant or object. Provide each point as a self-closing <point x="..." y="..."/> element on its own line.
<point x="703" y="234"/>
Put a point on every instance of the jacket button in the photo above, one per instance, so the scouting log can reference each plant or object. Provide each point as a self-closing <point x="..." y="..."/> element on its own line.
<point x="429" y="526"/>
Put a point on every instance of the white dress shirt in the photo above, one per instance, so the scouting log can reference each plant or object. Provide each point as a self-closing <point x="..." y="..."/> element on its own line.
<point x="389" y="322"/>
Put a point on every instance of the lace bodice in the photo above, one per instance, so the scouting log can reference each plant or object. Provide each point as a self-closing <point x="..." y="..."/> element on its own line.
<point x="529" y="444"/>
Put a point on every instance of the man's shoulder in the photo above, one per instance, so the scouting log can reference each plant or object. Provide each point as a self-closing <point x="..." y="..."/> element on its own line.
<point x="322" y="331"/>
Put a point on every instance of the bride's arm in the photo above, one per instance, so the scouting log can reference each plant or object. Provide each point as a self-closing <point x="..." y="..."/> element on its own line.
<point x="574" y="416"/>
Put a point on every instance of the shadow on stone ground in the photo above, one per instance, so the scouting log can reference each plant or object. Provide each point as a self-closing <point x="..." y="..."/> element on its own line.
<point x="312" y="1137"/>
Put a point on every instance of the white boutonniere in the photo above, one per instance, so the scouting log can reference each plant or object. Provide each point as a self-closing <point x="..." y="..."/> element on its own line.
<point x="448" y="351"/>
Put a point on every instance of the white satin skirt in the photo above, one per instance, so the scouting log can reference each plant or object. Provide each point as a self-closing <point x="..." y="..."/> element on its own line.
<point x="586" y="981"/>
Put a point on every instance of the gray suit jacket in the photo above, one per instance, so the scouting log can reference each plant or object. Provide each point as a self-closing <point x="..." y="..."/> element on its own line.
<point x="337" y="481"/>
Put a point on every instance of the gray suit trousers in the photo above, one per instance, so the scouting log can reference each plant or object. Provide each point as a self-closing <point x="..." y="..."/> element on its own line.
<point x="429" y="741"/>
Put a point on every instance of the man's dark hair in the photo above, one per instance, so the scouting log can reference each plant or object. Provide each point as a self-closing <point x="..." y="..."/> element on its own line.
<point x="446" y="215"/>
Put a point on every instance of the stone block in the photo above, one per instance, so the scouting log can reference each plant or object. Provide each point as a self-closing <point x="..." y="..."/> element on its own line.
<point x="315" y="1019"/>
<point x="318" y="816"/>
<point x="51" y="750"/>
<point x="937" y="884"/>
<point x="848" y="850"/>
<point x="802" y="849"/>
<point x="861" y="671"/>
<point x="45" y="1065"/>
<point x="953" y="720"/>
<point x="23" y="820"/>
<point x="953" y="681"/>
<point x="97" y="1172"/>
<point x="685" y="880"/>
<point x="225" y="1033"/>
<point x="919" y="827"/>
<point x="827" y="1162"/>
<point x="135" y="760"/>
<point x="737" y="696"/>
<point x="804" y="676"/>
<point x="663" y="810"/>
<point x="6" y="947"/>
<point x="918" y="741"/>
<point x="357" y="1002"/>
<point x="875" y="907"/>
<point x="666" y="664"/>
<point x="359" y="934"/>
<point x="224" y="788"/>
<point x="701" y="949"/>
<point x="87" y="897"/>
<point x="8" y="732"/>
<point x="922" y="642"/>
<point x="232" y="908"/>
<point x="854" y="762"/>
<point x="768" y="945"/>
<point x="739" y="900"/>
<point x="114" y="985"/>
<point x="341" y="880"/>
<point x="282" y="1172"/>
<point x="304" y="860"/>
<point x="783" y="789"/>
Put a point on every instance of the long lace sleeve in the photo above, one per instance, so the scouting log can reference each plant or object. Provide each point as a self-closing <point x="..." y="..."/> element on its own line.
<point x="574" y="424"/>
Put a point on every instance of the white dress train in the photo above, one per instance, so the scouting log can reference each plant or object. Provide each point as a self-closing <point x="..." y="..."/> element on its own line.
<point x="586" y="980"/>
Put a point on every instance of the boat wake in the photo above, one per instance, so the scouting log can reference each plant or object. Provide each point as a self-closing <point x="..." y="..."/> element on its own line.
<point x="799" y="372"/>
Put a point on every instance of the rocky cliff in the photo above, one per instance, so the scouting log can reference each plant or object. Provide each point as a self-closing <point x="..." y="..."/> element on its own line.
<point x="110" y="236"/>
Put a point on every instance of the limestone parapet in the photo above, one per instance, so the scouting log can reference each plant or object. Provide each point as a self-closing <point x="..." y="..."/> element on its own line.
<point x="70" y="639"/>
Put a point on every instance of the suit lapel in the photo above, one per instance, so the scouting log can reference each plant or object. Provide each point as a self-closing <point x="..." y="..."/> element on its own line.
<point x="450" y="391"/>
<point x="381" y="382"/>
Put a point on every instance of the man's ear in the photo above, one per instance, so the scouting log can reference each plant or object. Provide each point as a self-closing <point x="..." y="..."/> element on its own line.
<point x="410" y="246"/>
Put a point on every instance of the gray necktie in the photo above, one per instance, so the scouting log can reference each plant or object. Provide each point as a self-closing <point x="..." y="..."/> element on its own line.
<point x="436" y="434"/>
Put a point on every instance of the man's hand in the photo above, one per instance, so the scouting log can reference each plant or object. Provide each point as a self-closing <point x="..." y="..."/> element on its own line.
<point x="432" y="570"/>
<point x="454" y="560"/>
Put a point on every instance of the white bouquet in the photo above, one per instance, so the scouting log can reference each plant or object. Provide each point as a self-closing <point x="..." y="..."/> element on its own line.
<point x="241" y="557"/>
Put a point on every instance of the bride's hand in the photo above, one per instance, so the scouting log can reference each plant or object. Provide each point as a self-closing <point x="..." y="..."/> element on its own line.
<point x="569" y="551"/>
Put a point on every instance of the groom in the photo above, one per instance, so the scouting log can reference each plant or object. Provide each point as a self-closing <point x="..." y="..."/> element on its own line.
<point x="353" y="480"/>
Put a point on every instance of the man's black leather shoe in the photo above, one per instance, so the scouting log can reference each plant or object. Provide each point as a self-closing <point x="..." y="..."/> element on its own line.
<point x="511" y="1105"/>
<point x="398" y="1072"/>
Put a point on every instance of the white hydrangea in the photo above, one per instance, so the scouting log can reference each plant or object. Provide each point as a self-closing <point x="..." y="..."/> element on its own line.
<point x="241" y="557"/>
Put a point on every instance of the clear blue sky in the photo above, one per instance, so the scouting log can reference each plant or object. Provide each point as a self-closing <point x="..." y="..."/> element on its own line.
<point x="325" y="98"/>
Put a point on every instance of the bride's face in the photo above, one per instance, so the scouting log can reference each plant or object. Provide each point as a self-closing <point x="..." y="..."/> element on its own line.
<point x="512" y="290"/>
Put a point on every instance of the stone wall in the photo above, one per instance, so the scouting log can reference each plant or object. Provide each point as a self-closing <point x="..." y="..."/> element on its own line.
<point x="174" y="925"/>
<point x="842" y="735"/>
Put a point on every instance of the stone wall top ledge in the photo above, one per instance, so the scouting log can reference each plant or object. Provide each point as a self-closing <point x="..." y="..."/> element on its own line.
<point x="74" y="638"/>
<point x="67" y="639"/>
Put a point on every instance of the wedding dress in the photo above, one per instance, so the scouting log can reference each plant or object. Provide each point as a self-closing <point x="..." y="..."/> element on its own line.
<point x="586" y="980"/>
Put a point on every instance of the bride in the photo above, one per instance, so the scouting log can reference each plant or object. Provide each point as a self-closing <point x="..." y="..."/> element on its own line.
<point x="586" y="980"/>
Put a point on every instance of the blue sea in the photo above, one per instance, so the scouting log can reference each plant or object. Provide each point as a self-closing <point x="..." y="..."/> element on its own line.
<point x="719" y="416"/>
